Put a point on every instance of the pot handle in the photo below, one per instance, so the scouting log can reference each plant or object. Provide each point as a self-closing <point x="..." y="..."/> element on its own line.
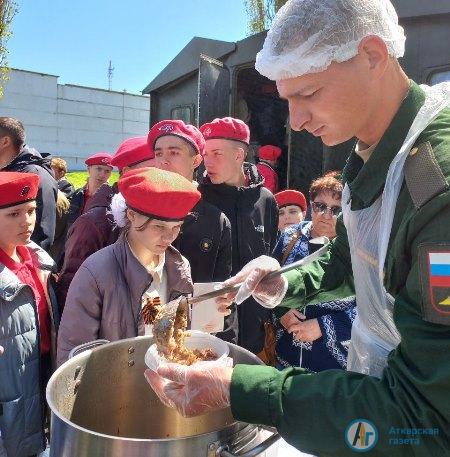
<point x="256" y="450"/>
<point x="86" y="346"/>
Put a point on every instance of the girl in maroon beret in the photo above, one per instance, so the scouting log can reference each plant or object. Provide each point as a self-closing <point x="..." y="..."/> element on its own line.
<point x="109" y="291"/>
<point x="28" y="318"/>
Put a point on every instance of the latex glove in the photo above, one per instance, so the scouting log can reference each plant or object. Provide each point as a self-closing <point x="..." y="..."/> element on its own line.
<point x="268" y="293"/>
<point x="292" y="317"/>
<point x="193" y="390"/>
<point x="306" y="331"/>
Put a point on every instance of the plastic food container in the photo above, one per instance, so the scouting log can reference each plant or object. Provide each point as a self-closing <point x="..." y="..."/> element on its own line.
<point x="194" y="340"/>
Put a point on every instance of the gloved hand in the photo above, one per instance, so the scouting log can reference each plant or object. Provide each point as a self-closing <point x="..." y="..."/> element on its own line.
<point x="192" y="390"/>
<point x="1" y="350"/>
<point x="267" y="292"/>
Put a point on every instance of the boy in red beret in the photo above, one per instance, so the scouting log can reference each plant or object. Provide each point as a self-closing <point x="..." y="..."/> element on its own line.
<point x="95" y="228"/>
<point x="99" y="170"/>
<point x="292" y="208"/>
<point x="28" y="319"/>
<point x="237" y="188"/>
<point x="268" y="157"/>
<point x="205" y="238"/>
<point x="111" y="287"/>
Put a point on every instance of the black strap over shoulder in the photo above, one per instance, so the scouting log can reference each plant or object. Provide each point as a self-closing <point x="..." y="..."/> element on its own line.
<point x="423" y="175"/>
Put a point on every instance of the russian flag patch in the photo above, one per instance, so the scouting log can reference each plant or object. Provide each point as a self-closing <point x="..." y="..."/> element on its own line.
<point x="439" y="269"/>
<point x="435" y="278"/>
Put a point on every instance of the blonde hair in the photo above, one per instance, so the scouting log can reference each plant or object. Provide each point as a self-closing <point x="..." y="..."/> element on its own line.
<point x="59" y="164"/>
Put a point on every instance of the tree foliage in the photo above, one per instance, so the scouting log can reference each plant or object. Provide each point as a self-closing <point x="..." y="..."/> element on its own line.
<point x="261" y="13"/>
<point x="8" y="8"/>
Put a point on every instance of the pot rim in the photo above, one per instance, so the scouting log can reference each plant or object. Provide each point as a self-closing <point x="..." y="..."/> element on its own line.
<point x="86" y="354"/>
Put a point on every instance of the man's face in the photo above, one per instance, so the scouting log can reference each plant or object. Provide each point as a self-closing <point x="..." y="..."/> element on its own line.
<point x="223" y="160"/>
<point x="175" y="154"/>
<point x="334" y="104"/>
<point x="98" y="175"/>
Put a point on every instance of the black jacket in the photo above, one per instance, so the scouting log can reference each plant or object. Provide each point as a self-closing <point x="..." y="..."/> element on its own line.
<point x="31" y="161"/>
<point x="76" y="205"/>
<point x="253" y="214"/>
<point x="205" y="240"/>
<point x="65" y="187"/>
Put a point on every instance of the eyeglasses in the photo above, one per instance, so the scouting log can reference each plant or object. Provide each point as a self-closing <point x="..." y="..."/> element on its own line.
<point x="322" y="208"/>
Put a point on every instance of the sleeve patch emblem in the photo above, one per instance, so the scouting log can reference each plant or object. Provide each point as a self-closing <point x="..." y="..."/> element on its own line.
<point x="435" y="277"/>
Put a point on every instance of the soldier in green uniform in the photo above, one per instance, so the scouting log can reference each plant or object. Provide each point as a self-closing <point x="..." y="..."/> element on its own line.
<point x="335" y="61"/>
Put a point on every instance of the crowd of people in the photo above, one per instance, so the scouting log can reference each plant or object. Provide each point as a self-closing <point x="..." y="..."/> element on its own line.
<point x="157" y="231"/>
<point x="354" y="343"/>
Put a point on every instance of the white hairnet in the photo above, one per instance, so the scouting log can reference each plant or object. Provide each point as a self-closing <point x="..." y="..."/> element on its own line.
<point x="307" y="35"/>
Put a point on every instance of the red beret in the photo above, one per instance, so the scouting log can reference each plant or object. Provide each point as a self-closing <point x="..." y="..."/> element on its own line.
<point x="291" y="197"/>
<point x="269" y="152"/>
<point x="101" y="158"/>
<point x="158" y="193"/>
<point x="177" y="128"/>
<point x="226" y="128"/>
<point x="17" y="188"/>
<point x="131" y="152"/>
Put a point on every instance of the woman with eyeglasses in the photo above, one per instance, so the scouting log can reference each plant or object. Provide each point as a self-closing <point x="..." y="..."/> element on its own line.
<point x="315" y="339"/>
<point x="109" y="291"/>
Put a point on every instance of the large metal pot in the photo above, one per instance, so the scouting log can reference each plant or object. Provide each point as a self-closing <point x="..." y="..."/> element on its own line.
<point x="102" y="407"/>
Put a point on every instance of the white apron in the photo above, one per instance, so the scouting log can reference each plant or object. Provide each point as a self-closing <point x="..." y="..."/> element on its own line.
<point x="374" y="333"/>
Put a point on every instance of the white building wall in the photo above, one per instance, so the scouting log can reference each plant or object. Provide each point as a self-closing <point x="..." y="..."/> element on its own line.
<point x="72" y="122"/>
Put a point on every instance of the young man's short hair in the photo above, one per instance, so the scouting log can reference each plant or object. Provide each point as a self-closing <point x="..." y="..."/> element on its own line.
<point x="13" y="128"/>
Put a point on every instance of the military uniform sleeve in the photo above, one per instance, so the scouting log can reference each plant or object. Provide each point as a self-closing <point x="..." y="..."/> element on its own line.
<point x="80" y="322"/>
<point x="326" y="279"/>
<point x="222" y="270"/>
<point x="409" y="406"/>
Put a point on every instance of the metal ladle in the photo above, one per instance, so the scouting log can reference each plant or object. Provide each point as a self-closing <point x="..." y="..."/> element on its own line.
<point x="165" y="321"/>
<point x="322" y="240"/>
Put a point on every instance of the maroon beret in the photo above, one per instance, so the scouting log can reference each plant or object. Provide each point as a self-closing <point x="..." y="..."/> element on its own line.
<point x="226" y="128"/>
<point x="158" y="193"/>
<point x="269" y="152"/>
<point x="131" y="152"/>
<point x="291" y="197"/>
<point x="17" y="188"/>
<point x="100" y="158"/>
<point x="177" y="128"/>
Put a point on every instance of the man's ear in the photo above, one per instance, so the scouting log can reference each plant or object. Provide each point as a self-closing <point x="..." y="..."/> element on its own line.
<point x="197" y="160"/>
<point x="241" y="154"/>
<point x="131" y="215"/>
<point x="5" y="142"/>
<point x="374" y="50"/>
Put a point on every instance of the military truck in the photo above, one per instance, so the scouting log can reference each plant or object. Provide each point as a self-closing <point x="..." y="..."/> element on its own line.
<point x="211" y="78"/>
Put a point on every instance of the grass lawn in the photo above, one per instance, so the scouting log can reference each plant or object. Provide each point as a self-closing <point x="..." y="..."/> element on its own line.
<point x="78" y="178"/>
